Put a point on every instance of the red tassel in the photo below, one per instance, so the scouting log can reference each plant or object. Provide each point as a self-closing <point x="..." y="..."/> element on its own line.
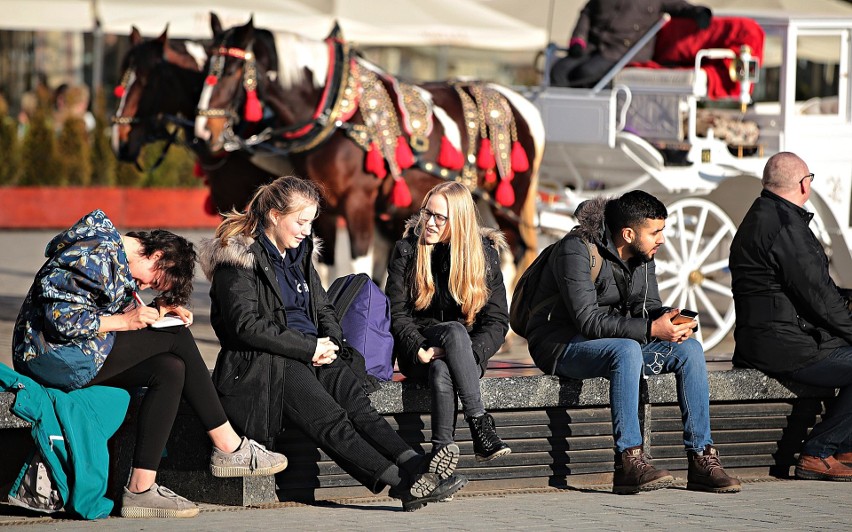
<point x="490" y="175"/>
<point x="253" y="112"/>
<point x="485" y="159"/>
<point x="374" y="163"/>
<point x="210" y="206"/>
<point x="404" y="155"/>
<point x="449" y="156"/>
<point x="197" y="170"/>
<point x="118" y="91"/>
<point x="210" y="80"/>
<point x="520" y="162"/>
<point x="401" y="195"/>
<point x="505" y="193"/>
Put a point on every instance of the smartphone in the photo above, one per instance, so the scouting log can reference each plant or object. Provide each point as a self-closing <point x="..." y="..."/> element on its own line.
<point x="685" y="316"/>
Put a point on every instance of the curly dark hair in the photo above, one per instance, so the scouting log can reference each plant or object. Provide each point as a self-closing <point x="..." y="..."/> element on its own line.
<point x="177" y="263"/>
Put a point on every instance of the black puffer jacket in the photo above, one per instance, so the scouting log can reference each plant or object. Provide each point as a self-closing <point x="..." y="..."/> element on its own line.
<point x="247" y="313"/>
<point x="492" y="322"/>
<point x="592" y="310"/>
<point x="789" y="311"/>
<point x="611" y="27"/>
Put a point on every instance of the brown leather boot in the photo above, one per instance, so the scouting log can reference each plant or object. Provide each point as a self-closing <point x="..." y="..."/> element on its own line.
<point x="706" y="473"/>
<point x="816" y="468"/>
<point x="634" y="473"/>
<point x="844" y="458"/>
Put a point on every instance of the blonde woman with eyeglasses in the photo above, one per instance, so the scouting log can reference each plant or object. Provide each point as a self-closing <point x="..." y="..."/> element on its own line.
<point x="449" y="312"/>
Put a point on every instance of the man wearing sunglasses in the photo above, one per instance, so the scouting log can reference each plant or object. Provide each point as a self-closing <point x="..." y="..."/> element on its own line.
<point x="792" y="321"/>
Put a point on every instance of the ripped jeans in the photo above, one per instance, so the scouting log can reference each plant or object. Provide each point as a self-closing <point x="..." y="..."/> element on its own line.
<point x="623" y="361"/>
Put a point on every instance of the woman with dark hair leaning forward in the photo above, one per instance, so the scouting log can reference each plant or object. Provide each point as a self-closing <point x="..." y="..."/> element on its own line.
<point x="284" y="356"/>
<point x="81" y="325"/>
<point x="449" y="312"/>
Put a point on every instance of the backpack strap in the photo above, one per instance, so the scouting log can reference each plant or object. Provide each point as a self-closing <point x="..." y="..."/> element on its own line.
<point x="343" y="293"/>
<point x="595" y="260"/>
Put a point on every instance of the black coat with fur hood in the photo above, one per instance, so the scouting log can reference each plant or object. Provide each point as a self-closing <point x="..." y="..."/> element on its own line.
<point x="492" y="322"/>
<point x="248" y="316"/>
<point x="596" y="310"/>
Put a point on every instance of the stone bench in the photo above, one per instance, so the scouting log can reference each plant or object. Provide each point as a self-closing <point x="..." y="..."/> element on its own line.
<point x="559" y="431"/>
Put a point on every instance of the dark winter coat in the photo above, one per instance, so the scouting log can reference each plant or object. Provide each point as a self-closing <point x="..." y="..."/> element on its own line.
<point x="789" y="311"/>
<point x="611" y="27"/>
<point x="247" y="313"/>
<point x="596" y="310"/>
<point x="488" y="330"/>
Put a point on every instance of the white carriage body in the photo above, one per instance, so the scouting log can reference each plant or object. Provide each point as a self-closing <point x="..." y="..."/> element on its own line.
<point x="589" y="153"/>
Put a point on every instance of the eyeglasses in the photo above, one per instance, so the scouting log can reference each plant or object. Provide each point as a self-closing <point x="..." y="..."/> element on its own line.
<point x="440" y="219"/>
<point x="810" y="175"/>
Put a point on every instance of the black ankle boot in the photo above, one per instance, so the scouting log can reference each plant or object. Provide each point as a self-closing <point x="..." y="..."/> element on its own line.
<point x="486" y="444"/>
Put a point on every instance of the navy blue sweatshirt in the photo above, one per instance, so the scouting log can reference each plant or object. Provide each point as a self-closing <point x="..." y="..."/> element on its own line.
<point x="293" y="285"/>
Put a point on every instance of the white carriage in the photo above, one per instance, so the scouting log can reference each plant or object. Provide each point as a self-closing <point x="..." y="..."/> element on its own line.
<point x="590" y="152"/>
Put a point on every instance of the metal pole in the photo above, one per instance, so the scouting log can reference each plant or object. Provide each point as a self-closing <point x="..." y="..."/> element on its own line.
<point x="650" y="34"/>
<point x="98" y="52"/>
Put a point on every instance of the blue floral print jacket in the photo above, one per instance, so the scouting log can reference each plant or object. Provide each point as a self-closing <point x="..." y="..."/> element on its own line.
<point x="86" y="276"/>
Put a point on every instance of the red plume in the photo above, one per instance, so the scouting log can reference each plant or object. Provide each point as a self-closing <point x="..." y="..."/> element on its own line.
<point x="253" y="112"/>
<point x="449" y="156"/>
<point x="210" y="80"/>
<point x="485" y="159"/>
<point x="374" y="162"/>
<point x="118" y="91"/>
<point x="520" y="162"/>
<point x="401" y="195"/>
<point x="505" y="193"/>
<point x="198" y="170"/>
<point x="404" y="155"/>
<point x="490" y="175"/>
<point x="210" y="206"/>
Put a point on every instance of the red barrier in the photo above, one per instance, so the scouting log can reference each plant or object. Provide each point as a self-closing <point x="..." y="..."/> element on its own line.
<point x="137" y="208"/>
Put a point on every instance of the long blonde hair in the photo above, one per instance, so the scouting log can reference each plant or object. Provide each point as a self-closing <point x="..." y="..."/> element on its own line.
<point x="286" y="194"/>
<point x="467" y="256"/>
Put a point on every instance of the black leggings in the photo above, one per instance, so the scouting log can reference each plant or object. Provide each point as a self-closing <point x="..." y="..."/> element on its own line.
<point x="169" y="364"/>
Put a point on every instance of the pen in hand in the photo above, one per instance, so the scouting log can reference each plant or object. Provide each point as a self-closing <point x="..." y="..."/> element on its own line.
<point x="138" y="299"/>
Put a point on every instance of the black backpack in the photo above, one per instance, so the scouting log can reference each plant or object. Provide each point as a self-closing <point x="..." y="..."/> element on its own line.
<point x="521" y="308"/>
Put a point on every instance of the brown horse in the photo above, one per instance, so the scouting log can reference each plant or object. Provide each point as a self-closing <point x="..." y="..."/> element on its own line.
<point x="345" y="124"/>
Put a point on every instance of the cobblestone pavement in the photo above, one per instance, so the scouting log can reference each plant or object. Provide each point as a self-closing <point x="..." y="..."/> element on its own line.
<point x="763" y="505"/>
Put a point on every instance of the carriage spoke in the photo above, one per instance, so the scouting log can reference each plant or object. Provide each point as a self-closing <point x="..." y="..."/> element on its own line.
<point x="668" y="283"/>
<point x="711" y="246"/>
<point x="709" y="307"/>
<point x="683" y="297"/>
<point x="699" y="230"/>
<point x="714" y="266"/>
<point x="681" y="232"/>
<point x="674" y="295"/>
<point x="719" y="288"/>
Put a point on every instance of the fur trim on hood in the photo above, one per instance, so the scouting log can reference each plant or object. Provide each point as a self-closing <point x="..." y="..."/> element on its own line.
<point x="495" y="236"/>
<point x="590" y="219"/>
<point x="211" y="253"/>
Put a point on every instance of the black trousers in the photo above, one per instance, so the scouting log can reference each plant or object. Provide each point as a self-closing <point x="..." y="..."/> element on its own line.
<point x="168" y="363"/>
<point x="328" y="403"/>
<point x="583" y="71"/>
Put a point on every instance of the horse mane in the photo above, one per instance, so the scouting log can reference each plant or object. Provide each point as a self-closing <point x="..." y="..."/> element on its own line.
<point x="295" y="54"/>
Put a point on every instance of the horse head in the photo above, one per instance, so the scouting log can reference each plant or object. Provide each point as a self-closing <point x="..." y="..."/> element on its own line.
<point x="160" y="78"/>
<point x="247" y="88"/>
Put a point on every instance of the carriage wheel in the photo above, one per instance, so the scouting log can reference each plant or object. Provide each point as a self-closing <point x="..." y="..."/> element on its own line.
<point x="692" y="267"/>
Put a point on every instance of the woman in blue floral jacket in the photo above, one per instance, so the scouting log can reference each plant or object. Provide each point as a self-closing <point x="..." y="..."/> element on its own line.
<point x="82" y="324"/>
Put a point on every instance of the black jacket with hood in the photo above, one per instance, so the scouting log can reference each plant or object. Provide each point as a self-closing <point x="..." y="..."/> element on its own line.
<point x="492" y="322"/>
<point x="248" y="315"/>
<point x="596" y="310"/>
<point x="789" y="311"/>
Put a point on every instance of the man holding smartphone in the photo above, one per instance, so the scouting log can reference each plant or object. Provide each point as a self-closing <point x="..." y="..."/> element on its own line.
<point x="792" y="321"/>
<point x="616" y="327"/>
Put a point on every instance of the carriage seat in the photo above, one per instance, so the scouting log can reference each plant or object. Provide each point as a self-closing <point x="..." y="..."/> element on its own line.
<point x="689" y="66"/>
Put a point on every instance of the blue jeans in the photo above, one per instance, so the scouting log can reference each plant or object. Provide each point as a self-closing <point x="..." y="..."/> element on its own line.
<point x="623" y="362"/>
<point x="834" y="433"/>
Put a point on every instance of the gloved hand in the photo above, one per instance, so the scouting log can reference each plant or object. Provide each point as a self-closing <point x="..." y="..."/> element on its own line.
<point x="576" y="50"/>
<point x="702" y="17"/>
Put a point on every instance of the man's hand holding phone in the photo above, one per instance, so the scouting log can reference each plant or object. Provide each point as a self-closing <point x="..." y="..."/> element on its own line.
<point x="675" y="325"/>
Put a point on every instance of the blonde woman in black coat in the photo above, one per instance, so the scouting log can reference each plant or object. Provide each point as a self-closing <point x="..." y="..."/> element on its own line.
<point x="449" y="312"/>
<point x="283" y="353"/>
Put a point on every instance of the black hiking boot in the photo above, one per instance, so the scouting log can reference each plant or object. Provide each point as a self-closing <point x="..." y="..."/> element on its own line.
<point x="486" y="444"/>
<point x="426" y="488"/>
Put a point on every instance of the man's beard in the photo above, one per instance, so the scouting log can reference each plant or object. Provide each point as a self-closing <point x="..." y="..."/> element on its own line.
<point x="637" y="252"/>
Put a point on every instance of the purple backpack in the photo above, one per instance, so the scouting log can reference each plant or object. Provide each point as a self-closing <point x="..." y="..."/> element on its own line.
<point x="363" y="311"/>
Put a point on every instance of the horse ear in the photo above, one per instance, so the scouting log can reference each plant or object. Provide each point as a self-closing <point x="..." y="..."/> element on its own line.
<point x="135" y="36"/>
<point x="164" y="37"/>
<point x="250" y="23"/>
<point x="336" y="32"/>
<point x="215" y="24"/>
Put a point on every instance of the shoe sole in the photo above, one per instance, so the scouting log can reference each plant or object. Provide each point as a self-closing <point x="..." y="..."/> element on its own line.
<point x="421" y="501"/>
<point x="140" y="512"/>
<point x="243" y="471"/>
<point x="444" y="462"/>
<point x="660" y="483"/>
<point x="497" y="454"/>
<point x="805" y="474"/>
<point x="701" y="487"/>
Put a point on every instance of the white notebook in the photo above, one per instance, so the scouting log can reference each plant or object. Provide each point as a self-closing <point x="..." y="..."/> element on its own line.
<point x="167" y="321"/>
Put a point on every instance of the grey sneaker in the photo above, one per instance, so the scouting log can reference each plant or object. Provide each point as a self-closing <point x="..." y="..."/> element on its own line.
<point x="251" y="459"/>
<point x="158" y="501"/>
